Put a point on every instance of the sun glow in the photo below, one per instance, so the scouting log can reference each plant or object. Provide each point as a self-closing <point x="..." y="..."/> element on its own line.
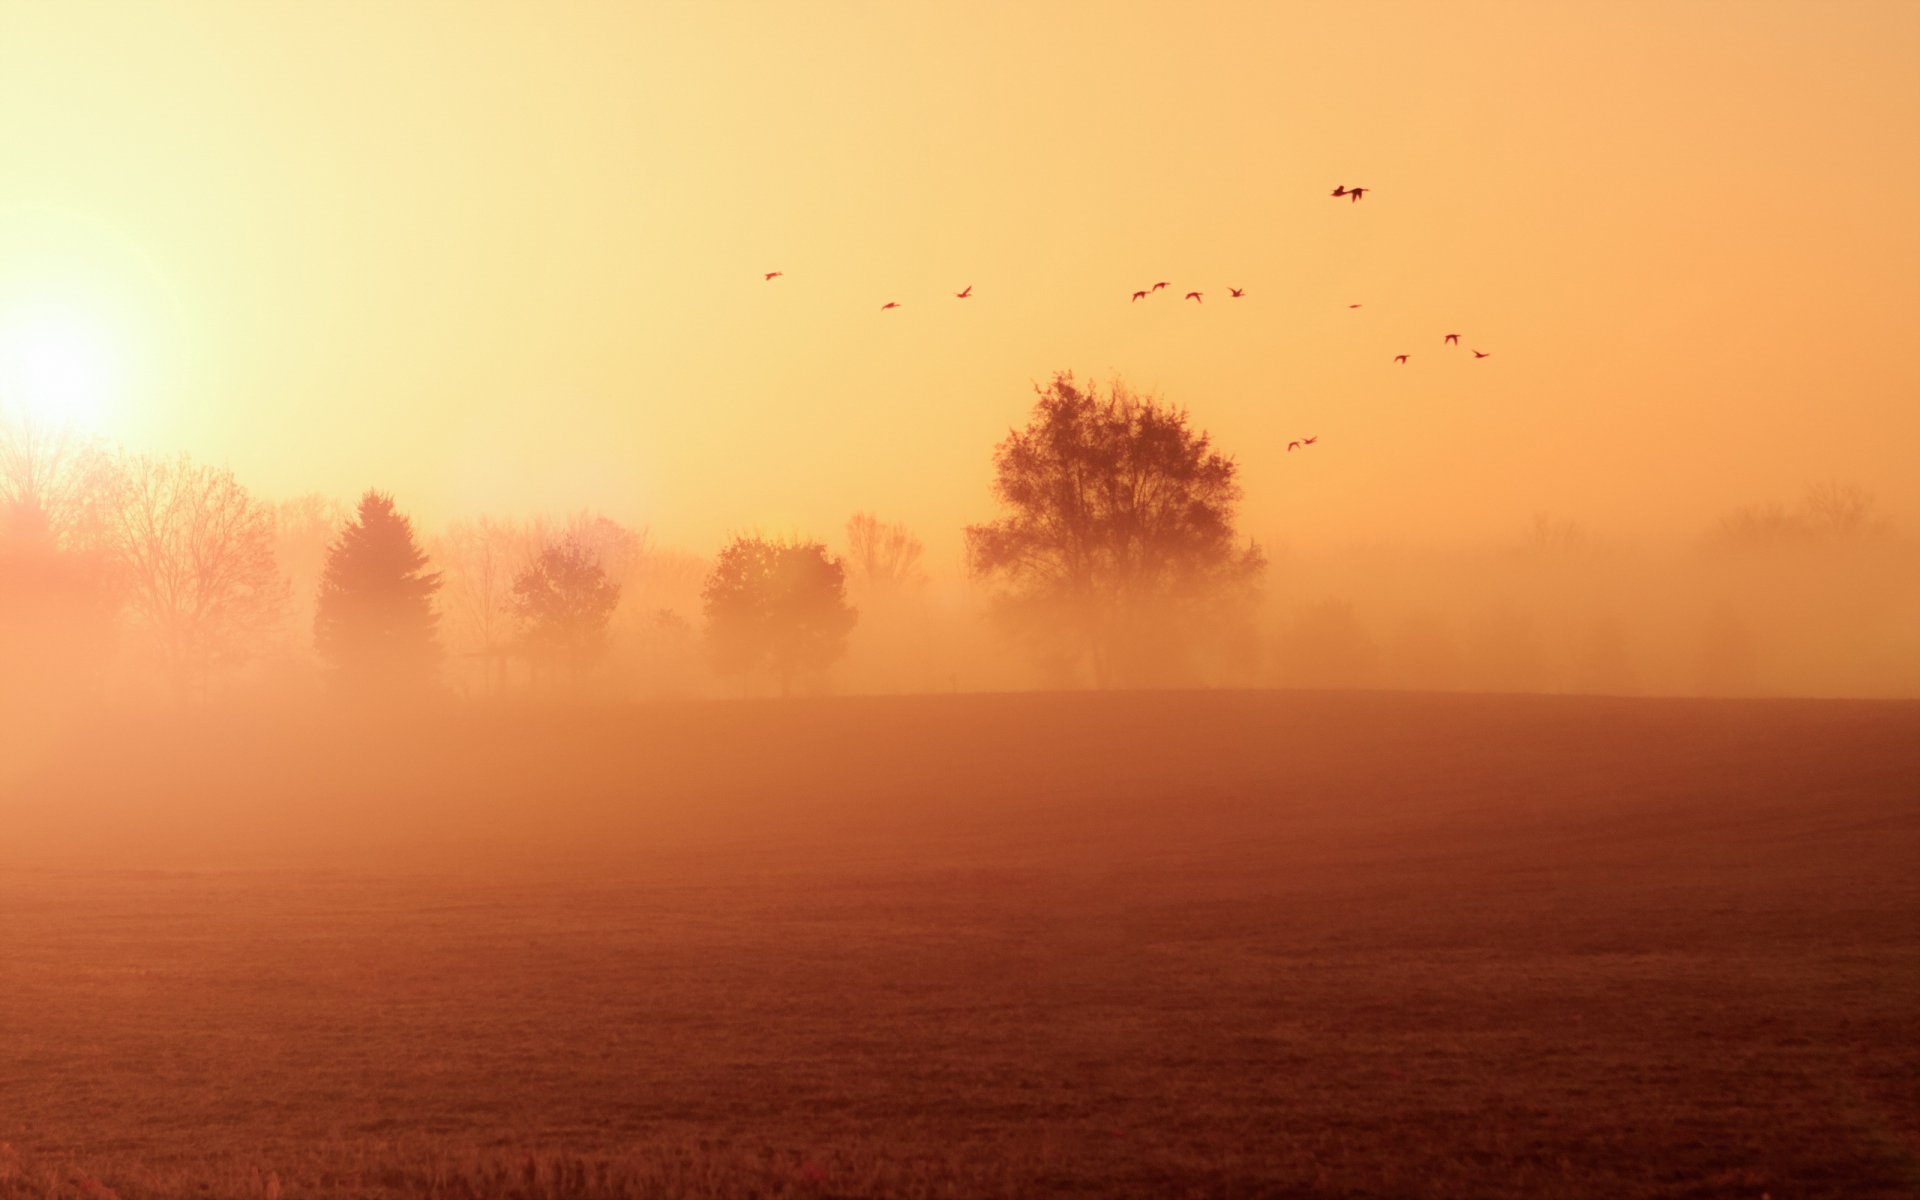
<point x="58" y="366"/>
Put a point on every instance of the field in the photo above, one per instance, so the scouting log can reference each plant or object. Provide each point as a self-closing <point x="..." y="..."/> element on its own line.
<point x="1193" y="944"/>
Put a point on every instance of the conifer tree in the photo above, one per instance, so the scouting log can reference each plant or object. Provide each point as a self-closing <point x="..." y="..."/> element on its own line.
<point x="374" y="618"/>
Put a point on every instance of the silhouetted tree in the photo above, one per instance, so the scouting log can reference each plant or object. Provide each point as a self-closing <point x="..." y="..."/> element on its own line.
<point x="1118" y="544"/>
<point x="195" y="552"/>
<point x="778" y="608"/>
<point x="375" y="620"/>
<point x="564" y="600"/>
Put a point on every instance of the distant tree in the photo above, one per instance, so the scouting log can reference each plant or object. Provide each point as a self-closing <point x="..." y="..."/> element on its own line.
<point x="195" y="552"/>
<point x="1118" y="542"/>
<point x="65" y="477"/>
<point x="480" y="558"/>
<point x="375" y="620"/>
<point x="1828" y="514"/>
<point x="56" y="613"/>
<point x="777" y="608"/>
<point x="564" y="600"/>
<point x="883" y="560"/>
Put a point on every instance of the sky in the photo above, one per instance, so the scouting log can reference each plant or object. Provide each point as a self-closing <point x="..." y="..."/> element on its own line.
<point x="506" y="258"/>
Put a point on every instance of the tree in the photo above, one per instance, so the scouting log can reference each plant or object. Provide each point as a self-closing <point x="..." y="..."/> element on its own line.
<point x="66" y="477"/>
<point x="883" y="559"/>
<point x="56" y="614"/>
<point x="564" y="600"/>
<point x="194" y="550"/>
<point x="375" y="620"/>
<point x="1118" y="546"/>
<point x="776" y="607"/>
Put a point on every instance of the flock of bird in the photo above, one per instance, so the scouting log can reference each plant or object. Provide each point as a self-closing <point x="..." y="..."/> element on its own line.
<point x="1352" y="194"/>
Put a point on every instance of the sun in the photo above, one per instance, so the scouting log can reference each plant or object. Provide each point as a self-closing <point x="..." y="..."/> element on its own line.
<point x="58" y="366"/>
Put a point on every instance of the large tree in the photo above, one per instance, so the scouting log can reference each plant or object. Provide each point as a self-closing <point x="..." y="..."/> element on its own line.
<point x="778" y="608"/>
<point x="65" y="476"/>
<point x="1116" y="547"/>
<point x="374" y="620"/>
<point x="194" y="550"/>
<point x="563" y="600"/>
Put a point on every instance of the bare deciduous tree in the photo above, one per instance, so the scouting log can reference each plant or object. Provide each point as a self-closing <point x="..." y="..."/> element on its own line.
<point x="65" y="476"/>
<point x="883" y="559"/>
<point x="195" y="551"/>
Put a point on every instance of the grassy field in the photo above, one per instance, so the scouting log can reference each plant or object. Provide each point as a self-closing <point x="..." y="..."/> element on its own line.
<point x="1200" y="944"/>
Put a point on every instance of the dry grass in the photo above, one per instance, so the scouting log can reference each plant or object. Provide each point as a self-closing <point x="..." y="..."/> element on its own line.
<point x="1209" y="944"/>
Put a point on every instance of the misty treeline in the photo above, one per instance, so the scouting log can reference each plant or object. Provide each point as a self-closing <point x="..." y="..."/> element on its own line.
<point x="1109" y="555"/>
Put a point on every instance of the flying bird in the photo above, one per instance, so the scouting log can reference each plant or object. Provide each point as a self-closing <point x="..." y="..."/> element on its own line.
<point x="1161" y="284"/>
<point x="889" y="304"/>
<point x="1292" y="446"/>
<point x="773" y="275"/>
<point x="1139" y="296"/>
<point x="1356" y="193"/>
<point x="965" y="294"/>
<point x="1310" y="441"/>
<point x="1234" y="293"/>
<point x="1339" y="191"/>
<point x="1194" y="296"/>
<point x="1452" y="337"/>
<point x="1482" y="353"/>
<point x="1353" y="306"/>
<point x="1400" y="358"/>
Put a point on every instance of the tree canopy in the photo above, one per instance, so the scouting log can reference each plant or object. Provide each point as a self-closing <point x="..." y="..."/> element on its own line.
<point x="564" y="600"/>
<point x="778" y="608"/>
<point x="1116" y="546"/>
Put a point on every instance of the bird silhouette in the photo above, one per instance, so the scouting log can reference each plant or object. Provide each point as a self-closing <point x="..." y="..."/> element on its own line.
<point x="1452" y="337"/>
<point x="1356" y="193"/>
<point x="1139" y="296"/>
<point x="1234" y="293"/>
<point x="965" y="294"/>
<point x="1194" y="296"/>
<point x="1482" y="353"/>
<point x="1310" y="441"/>
<point x="1339" y="191"/>
<point x="1400" y="358"/>
<point x="889" y="304"/>
<point x="1161" y="284"/>
<point x="1353" y="306"/>
<point x="1292" y="446"/>
<point x="773" y="275"/>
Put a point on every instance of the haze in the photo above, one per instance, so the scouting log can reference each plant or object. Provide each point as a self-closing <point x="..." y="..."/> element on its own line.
<point x="498" y="258"/>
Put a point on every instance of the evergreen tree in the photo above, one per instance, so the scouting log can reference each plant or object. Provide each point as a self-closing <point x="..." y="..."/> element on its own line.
<point x="374" y="619"/>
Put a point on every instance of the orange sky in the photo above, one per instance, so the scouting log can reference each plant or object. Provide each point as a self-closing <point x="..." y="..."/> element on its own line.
<point x="507" y="257"/>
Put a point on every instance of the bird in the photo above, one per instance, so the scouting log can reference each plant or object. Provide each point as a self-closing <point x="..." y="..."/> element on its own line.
<point x="1234" y="293"/>
<point x="1452" y="337"/>
<point x="889" y="304"/>
<point x="1400" y="358"/>
<point x="1139" y="296"/>
<point x="1356" y="193"/>
<point x="965" y="294"/>
<point x="773" y="275"/>
<point x="1195" y="297"/>
<point x="1482" y="353"/>
<point x="1161" y="284"/>
<point x="1353" y="306"/>
<point x="1292" y="446"/>
<point x="1339" y="191"/>
<point x="1310" y="441"/>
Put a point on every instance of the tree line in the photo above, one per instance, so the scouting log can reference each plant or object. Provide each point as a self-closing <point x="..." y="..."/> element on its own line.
<point x="1113" y="554"/>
